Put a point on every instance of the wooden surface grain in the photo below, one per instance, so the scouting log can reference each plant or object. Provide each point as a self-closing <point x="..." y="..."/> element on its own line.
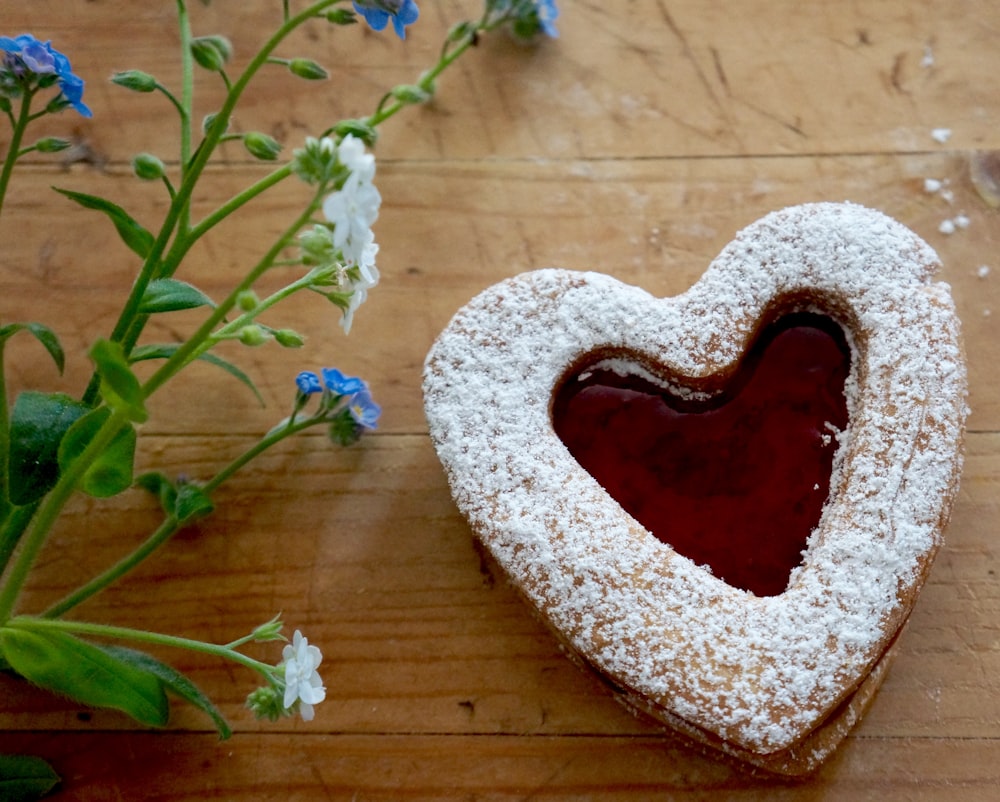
<point x="637" y="143"/>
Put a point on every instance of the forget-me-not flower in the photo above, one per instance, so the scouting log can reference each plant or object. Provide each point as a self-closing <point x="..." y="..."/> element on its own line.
<point x="547" y="13"/>
<point x="40" y="58"/>
<point x="364" y="410"/>
<point x="352" y="210"/>
<point x="377" y="14"/>
<point x="308" y="383"/>
<point x="339" y="384"/>
<point x="302" y="682"/>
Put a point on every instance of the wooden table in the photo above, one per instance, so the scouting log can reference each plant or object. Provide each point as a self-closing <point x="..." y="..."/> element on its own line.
<point x="637" y="143"/>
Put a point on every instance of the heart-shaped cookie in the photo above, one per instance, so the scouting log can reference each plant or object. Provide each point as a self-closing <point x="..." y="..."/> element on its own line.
<point x="774" y="680"/>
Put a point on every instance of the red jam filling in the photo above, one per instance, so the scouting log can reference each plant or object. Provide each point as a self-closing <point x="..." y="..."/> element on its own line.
<point x="736" y="483"/>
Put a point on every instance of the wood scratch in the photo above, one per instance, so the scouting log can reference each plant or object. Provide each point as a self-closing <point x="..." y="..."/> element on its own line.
<point x="688" y="53"/>
<point x="719" y="71"/>
<point x="896" y="74"/>
<point x="721" y="107"/>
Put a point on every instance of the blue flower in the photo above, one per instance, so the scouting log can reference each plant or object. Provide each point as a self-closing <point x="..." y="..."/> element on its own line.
<point x="364" y="410"/>
<point x="339" y="384"/>
<point x="308" y="383"/>
<point x="41" y="58"/>
<point x="547" y="14"/>
<point x="528" y="18"/>
<point x="378" y="13"/>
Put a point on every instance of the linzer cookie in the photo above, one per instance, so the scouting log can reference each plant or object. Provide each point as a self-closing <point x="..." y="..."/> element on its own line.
<point x="724" y="502"/>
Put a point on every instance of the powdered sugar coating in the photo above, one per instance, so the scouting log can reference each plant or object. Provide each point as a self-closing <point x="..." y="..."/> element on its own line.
<point x="759" y="673"/>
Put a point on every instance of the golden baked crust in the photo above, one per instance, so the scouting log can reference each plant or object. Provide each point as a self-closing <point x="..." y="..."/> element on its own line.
<point x="774" y="681"/>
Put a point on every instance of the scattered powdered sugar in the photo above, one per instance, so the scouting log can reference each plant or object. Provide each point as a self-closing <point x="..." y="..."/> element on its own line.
<point x="760" y="673"/>
<point x="939" y="187"/>
<point x="941" y="135"/>
<point x="982" y="271"/>
<point x="950" y="226"/>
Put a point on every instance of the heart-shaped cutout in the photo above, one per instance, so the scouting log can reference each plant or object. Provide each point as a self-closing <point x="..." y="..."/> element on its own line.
<point x="735" y="482"/>
<point x="773" y="680"/>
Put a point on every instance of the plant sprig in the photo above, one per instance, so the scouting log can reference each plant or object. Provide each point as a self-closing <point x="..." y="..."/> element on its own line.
<point x="53" y="446"/>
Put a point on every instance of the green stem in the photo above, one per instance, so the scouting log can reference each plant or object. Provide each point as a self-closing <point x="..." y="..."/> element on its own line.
<point x="13" y="527"/>
<point x="170" y="524"/>
<point x="426" y="82"/>
<point x="49" y="510"/>
<point x="4" y="447"/>
<point x="160" y="536"/>
<point x="272" y="438"/>
<point x="192" y="347"/>
<point x="175" y="214"/>
<point x="187" y="102"/>
<point x="139" y="636"/>
<point x="180" y="247"/>
<point x="23" y="118"/>
<point x="232" y="329"/>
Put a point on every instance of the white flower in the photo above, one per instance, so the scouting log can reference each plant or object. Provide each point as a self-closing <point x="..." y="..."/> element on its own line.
<point x="356" y="159"/>
<point x="363" y="276"/>
<point x="302" y="682"/>
<point x="352" y="211"/>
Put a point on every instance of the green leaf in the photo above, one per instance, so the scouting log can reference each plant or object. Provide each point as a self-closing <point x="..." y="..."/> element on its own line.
<point x="169" y="295"/>
<point x="111" y="472"/>
<point x="191" y="502"/>
<point x="160" y="485"/>
<point x="38" y="423"/>
<point x="24" y="778"/>
<point x="167" y="350"/>
<point x="139" y="239"/>
<point x="43" y="334"/>
<point x="175" y="682"/>
<point x="183" y="501"/>
<point x="119" y="385"/>
<point x="65" y="664"/>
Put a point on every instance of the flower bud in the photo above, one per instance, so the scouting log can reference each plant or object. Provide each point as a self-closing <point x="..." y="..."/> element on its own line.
<point x="289" y="338"/>
<point x="148" y="167"/>
<point x="211" y="52"/>
<point x="267" y="702"/>
<point x="341" y="16"/>
<point x="209" y="120"/>
<point x="308" y="69"/>
<point x="262" y="146"/>
<point x="358" y="128"/>
<point x="57" y="104"/>
<point x="52" y="144"/>
<point x="136" y="80"/>
<point x="410" y="93"/>
<point x="247" y="300"/>
<point x="461" y="30"/>
<point x="253" y="336"/>
<point x="317" y="246"/>
<point x="270" y="631"/>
